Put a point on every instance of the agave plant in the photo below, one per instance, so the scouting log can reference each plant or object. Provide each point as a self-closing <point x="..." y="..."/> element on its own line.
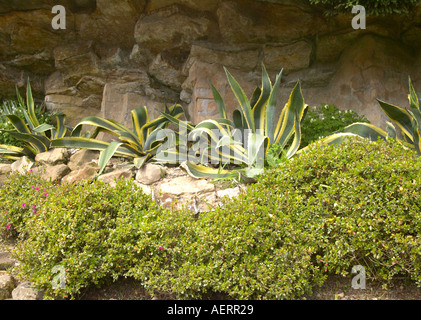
<point x="140" y="143"/>
<point x="36" y="137"/>
<point x="256" y="121"/>
<point x="407" y="120"/>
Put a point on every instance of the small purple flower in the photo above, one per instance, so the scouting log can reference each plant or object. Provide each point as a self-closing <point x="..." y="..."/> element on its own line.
<point x="46" y="195"/>
<point x="23" y="205"/>
<point x="160" y="248"/>
<point x="37" y="189"/>
<point x="8" y="226"/>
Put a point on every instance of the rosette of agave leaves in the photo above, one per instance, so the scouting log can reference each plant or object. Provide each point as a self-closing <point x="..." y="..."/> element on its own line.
<point x="254" y="121"/>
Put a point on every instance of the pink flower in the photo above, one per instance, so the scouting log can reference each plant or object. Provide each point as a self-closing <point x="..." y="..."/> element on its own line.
<point x="8" y="226"/>
<point x="37" y="189"/>
<point x="23" y="205"/>
<point x="160" y="248"/>
<point x="46" y="195"/>
<point x="33" y="187"/>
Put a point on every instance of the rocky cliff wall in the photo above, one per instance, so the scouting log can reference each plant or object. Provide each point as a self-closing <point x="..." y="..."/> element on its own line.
<point x="115" y="55"/>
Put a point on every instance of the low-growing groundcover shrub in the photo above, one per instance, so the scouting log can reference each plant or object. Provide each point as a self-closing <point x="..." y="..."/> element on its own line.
<point x="367" y="197"/>
<point x="324" y="212"/>
<point x="84" y="228"/>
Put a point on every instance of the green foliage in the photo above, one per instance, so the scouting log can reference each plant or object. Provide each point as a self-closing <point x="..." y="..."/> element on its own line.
<point x="89" y="229"/>
<point x="322" y="213"/>
<point x="17" y="109"/>
<point x="375" y="7"/>
<point x="35" y="135"/>
<point x="258" y="127"/>
<point x="322" y="121"/>
<point x="140" y="143"/>
<point x="365" y="196"/>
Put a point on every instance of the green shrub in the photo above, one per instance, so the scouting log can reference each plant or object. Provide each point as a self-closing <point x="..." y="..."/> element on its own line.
<point x="87" y="229"/>
<point x="367" y="197"/>
<point x="375" y="7"/>
<point x="322" y="121"/>
<point x="321" y="213"/>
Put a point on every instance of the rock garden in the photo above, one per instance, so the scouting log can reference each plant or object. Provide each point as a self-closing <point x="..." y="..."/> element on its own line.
<point x="227" y="192"/>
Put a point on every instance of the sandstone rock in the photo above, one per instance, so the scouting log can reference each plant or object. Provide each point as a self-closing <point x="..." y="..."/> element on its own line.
<point x="290" y="57"/>
<point x="382" y="73"/>
<point x="53" y="157"/>
<point x="331" y="46"/>
<point x="22" y="165"/>
<point x="72" y="106"/>
<point x="56" y="173"/>
<point x="29" y="32"/>
<point x="148" y="190"/>
<point x="202" y="5"/>
<point x="186" y="185"/>
<point x="166" y="72"/>
<point x="120" y="99"/>
<point x="24" y="291"/>
<point x="238" y="57"/>
<point x="230" y="193"/>
<point x="150" y="174"/>
<point x="76" y="60"/>
<point x="153" y="32"/>
<point x="7" y="284"/>
<point x="5" y="168"/>
<point x="245" y="23"/>
<point x="112" y="177"/>
<point x="140" y="55"/>
<point x="85" y="173"/>
<point x="112" y="23"/>
<point x="82" y="157"/>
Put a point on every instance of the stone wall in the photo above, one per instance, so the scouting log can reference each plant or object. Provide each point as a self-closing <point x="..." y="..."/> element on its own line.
<point x="116" y="55"/>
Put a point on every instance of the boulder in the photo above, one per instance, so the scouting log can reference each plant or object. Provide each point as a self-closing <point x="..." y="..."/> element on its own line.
<point x="53" y="157"/>
<point x="85" y="173"/>
<point x="150" y="174"/>
<point x="56" y="173"/>
<point x="23" y="165"/>
<point x="112" y="177"/>
<point x="229" y="193"/>
<point x="7" y="284"/>
<point x="81" y="158"/>
<point x="24" y="291"/>
<point x="186" y="185"/>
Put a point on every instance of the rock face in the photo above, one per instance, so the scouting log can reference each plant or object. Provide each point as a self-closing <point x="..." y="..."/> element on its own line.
<point x="116" y="55"/>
